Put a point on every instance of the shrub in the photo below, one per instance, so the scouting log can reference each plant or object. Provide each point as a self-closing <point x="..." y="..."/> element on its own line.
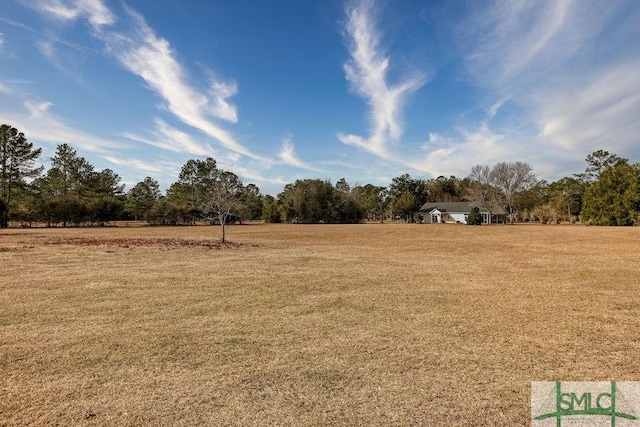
<point x="474" y="217"/>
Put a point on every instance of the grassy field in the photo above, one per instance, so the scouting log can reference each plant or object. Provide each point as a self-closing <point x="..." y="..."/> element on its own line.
<point x="310" y="325"/>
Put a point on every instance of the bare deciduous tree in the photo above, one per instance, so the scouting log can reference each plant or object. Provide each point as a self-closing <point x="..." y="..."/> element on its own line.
<point x="500" y="185"/>
<point x="510" y="179"/>
<point x="481" y="189"/>
<point x="225" y="193"/>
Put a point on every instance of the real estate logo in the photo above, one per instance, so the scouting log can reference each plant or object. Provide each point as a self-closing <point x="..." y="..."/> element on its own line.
<point x="569" y="403"/>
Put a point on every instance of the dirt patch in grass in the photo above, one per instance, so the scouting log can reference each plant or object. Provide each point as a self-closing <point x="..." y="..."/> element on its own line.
<point x="170" y="243"/>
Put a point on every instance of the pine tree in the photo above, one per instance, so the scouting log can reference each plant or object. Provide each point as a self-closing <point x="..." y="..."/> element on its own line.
<point x="17" y="158"/>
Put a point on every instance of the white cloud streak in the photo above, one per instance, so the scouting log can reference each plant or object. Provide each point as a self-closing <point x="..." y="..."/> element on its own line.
<point x="169" y="138"/>
<point x="46" y="48"/>
<point x="248" y="173"/>
<point x="600" y="115"/>
<point x="145" y="54"/>
<point x="288" y="156"/>
<point x="164" y="168"/>
<point x="505" y="40"/>
<point x="514" y="48"/>
<point x="70" y="10"/>
<point x="151" y="57"/>
<point x="220" y="92"/>
<point x="367" y="73"/>
<point x="444" y="154"/>
<point x="569" y="68"/>
<point x="40" y="124"/>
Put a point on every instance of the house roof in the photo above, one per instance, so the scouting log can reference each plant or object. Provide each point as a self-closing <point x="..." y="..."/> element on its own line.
<point x="452" y="207"/>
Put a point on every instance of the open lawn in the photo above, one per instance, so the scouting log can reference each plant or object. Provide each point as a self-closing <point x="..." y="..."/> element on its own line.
<point x="390" y="324"/>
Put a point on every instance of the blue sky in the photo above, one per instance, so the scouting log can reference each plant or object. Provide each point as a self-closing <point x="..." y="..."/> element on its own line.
<point x="277" y="90"/>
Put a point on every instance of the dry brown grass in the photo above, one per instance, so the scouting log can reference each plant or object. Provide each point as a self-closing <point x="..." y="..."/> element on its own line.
<point x="310" y="325"/>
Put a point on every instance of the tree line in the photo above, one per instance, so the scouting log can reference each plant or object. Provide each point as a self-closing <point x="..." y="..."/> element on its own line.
<point x="72" y="192"/>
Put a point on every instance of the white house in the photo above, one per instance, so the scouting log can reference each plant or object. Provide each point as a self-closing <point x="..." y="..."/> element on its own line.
<point x="454" y="212"/>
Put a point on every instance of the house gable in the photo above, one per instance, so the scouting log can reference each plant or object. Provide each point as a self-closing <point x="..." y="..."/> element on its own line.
<point x="452" y="207"/>
<point x="452" y="212"/>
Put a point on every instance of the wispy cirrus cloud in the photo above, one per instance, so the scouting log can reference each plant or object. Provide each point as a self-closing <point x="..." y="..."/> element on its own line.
<point x="142" y="52"/>
<point x="443" y="154"/>
<point x="162" y="168"/>
<point x="63" y="63"/>
<point x="63" y="55"/>
<point x="47" y="40"/>
<point x="367" y="73"/>
<point x="601" y="114"/>
<point x="169" y="138"/>
<point x="505" y="42"/>
<point x="69" y="10"/>
<point x="562" y="73"/>
<point x="220" y="92"/>
<point x="39" y="123"/>
<point x="46" y="48"/>
<point x="246" y="173"/>
<point x="512" y="45"/>
<point x="151" y="57"/>
<point x="288" y="156"/>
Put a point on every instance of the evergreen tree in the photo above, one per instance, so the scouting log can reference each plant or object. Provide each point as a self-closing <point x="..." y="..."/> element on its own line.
<point x="17" y="158"/>
<point x="271" y="210"/>
<point x="67" y="187"/>
<point x="407" y="196"/>
<point x="474" y="217"/>
<point x="252" y="202"/>
<point x="189" y="193"/>
<point x="313" y="201"/>
<point x="614" y="198"/>
<point x="142" y="197"/>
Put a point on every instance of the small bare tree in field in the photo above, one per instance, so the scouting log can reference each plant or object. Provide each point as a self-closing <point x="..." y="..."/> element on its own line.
<point x="225" y="193"/>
